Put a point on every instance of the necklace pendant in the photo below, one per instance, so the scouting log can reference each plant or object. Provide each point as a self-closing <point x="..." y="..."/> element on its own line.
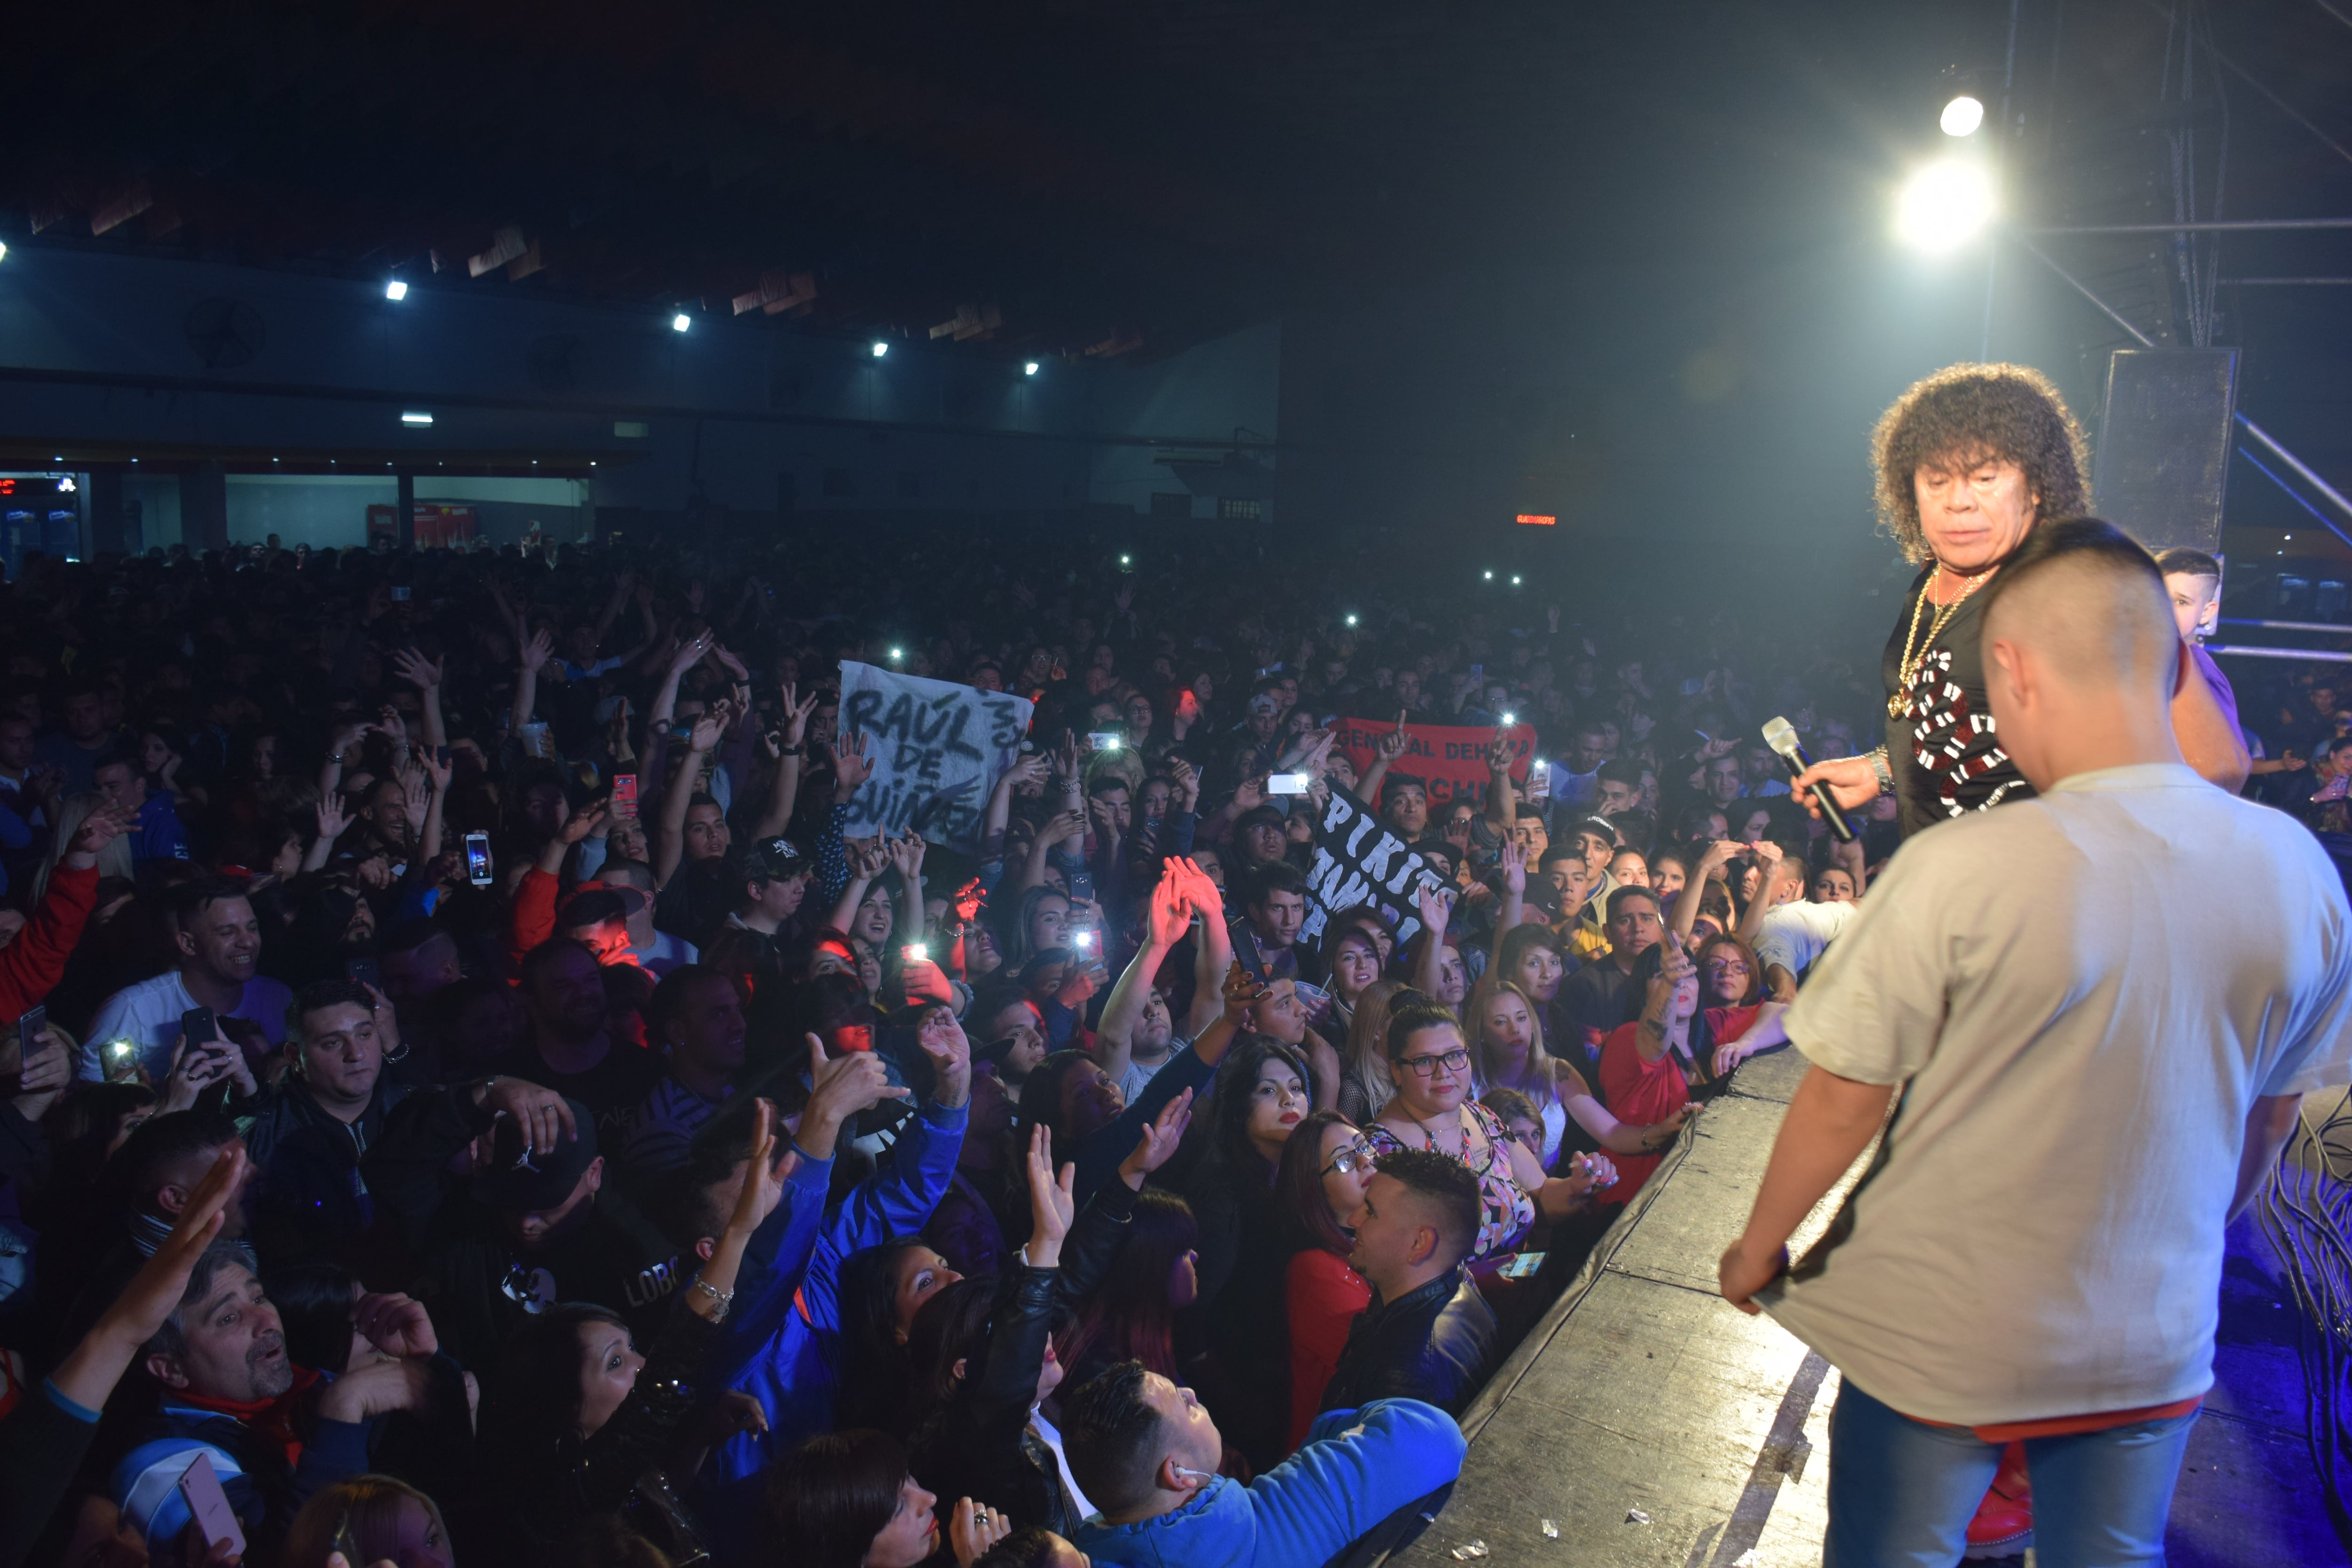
<point x="1897" y="706"/>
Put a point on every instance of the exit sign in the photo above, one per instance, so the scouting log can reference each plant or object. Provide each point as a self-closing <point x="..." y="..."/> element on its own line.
<point x="1538" y="519"/>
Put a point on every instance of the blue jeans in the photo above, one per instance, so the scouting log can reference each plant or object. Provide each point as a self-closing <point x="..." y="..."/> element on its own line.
<point x="1902" y="1493"/>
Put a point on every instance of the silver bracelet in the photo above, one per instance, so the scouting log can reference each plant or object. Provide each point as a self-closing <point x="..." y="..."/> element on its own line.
<point x="1877" y="761"/>
<point x="720" y="1300"/>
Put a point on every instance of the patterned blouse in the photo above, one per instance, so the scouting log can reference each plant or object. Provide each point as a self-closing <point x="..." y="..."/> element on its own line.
<point x="1506" y="1210"/>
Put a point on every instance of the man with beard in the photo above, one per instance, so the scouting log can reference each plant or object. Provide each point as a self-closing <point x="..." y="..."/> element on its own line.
<point x="219" y="941"/>
<point x="227" y="1386"/>
<point x="570" y="1050"/>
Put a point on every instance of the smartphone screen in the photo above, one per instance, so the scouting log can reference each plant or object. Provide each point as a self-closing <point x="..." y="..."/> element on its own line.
<point x="1286" y="784"/>
<point x="1103" y="740"/>
<point x="122" y="1061"/>
<point x="478" y="858"/>
<point x="27" y="1043"/>
<point x="624" y="795"/>
<point x="200" y="1483"/>
<point x="363" y="971"/>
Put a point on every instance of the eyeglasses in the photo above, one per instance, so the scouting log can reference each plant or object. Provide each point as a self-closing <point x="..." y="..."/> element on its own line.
<point x="1452" y="1061"/>
<point x="1357" y="1156"/>
<point x="1724" y="967"/>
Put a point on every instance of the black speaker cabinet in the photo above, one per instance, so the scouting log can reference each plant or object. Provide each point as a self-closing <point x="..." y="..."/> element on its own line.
<point x="2163" y="458"/>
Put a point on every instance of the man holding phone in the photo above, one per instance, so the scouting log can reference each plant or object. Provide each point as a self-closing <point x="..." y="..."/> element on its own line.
<point x="219" y="942"/>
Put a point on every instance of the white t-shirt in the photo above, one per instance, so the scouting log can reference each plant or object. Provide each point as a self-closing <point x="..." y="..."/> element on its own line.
<point x="149" y="1012"/>
<point x="2083" y="994"/>
<point x="1793" y="935"/>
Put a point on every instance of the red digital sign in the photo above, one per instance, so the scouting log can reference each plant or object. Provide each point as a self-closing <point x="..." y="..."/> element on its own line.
<point x="1538" y="519"/>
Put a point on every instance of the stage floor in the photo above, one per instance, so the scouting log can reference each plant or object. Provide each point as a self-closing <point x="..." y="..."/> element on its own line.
<point x="1646" y="1422"/>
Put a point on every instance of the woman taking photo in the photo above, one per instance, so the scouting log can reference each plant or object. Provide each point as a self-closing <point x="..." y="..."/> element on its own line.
<point x="1512" y="1057"/>
<point x="846" y="1499"/>
<point x="1646" y="1064"/>
<point x="1430" y="1065"/>
<point x="1319" y="1182"/>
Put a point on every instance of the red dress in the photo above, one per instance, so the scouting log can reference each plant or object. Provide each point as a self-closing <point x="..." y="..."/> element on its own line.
<point x="1641" y="1093"/>
<point x="1323" y="1296"/>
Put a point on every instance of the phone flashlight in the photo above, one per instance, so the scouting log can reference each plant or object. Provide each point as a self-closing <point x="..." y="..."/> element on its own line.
<point x="1509" y="720"/>
<point x="1081" y="940"/>
<point x="918" y="951"/>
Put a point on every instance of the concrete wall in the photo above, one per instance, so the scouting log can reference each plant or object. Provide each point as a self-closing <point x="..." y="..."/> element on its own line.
<point x="137" y="354"/>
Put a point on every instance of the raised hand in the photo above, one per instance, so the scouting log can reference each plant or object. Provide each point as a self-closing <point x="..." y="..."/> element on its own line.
<point x="942" y="1039"/>
<point x="796" y="712"/>
<point x="1053" y="1203"/>
<point x="968" y="900"/>
<point x="543" y="1116"/>
<point x="1435" y="908"/>
<point x="1171" y="911"/>
<point x="1249" y="794"/>
<point x="734" y="666"/>
<point x="1062" y="825"/>
<point x="764" y="1176"/>
<point x="1187" y="780"/>
<point x="583" y="822"/>
<point x="851" y="765"/>
<point x="1242" y="992"/>
<point x="1393" y="743"/>
<point x="847" y="1084"/>
<point x="536" y="652"/>
<point x="332" y="819"/>
<point x="704" y="738"/>
<point x="395" y="1324"/>
<point x="435" y="772"/>
<point x="867" y="858"/>
<point x="1161" y="1135"/>
<point x="410" y="665"/>
<point x="907" y="856"/>
<point x="1065" y="758"/>
<point x="97" y="830"/>
<point x="691" y="651"/>
<point x="973" y="1529"/>
<point x="1514" y="860"/>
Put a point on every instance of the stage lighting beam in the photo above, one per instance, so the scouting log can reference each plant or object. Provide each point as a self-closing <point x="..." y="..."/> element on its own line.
<point x="1962" y="116"/>
<point x="1944" y="206"/>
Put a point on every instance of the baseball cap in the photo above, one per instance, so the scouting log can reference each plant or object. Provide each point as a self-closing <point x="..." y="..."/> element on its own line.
<point x="545" y="1179"/>
<point x="1264" y="702"/>
<point x="593" y="904"/>
<point x="776" y="859"/>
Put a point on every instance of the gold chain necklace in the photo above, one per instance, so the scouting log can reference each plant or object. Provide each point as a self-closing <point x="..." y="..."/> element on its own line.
<point x="1908" y="669"/>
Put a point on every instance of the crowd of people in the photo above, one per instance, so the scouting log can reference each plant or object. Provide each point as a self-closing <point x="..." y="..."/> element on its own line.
<point x="469" y="1099"/>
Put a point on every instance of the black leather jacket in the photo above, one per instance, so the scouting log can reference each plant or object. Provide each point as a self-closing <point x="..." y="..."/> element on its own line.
<point x="1435" y="1343"/>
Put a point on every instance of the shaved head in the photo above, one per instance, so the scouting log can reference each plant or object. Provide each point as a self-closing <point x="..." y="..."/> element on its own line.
<point x="2082" y="653"/>
<point x="2089" y="602"/>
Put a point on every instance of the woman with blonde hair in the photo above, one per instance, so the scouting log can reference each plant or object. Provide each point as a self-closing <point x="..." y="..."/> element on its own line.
<point x="1365" y="1083"/>
<point x="114" y="860"/>
<point x="388" y="1520"/>
<point x="1510" y="1055"/>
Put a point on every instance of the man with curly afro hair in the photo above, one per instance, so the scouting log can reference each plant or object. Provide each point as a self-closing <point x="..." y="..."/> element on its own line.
<point x="1967" y="462"/>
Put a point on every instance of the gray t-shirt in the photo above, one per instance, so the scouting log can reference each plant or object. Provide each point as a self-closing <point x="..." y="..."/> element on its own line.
<point x="2083" y="995"/>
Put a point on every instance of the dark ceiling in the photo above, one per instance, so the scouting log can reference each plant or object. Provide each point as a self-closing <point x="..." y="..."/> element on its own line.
<point x="1105" y="175"/>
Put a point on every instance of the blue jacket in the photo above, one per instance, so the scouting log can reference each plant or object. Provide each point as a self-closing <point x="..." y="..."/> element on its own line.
<point x="1356" y="1468"/>
<point x="784" y="1347"/>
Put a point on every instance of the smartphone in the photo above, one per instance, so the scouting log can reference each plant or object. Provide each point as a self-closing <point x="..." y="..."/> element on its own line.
<point x="122" y="1061"/>
<point x="1287" y="783"/>
<point x="441" y="755"/>
<point x="624" y="795"/>
<point x="1103" y="740"/>
<point x="478" y="858"/>
<point x="201" y="1486"/>
<point x="363" y="971"/>
<point x="28" y="1040"/>
<point x="1523" y="1266"/>
<point x="1082" y="883"/>
<point x="1252" y="960"/>
<point x="1478" y="671"/>
<point x="1539" y="780"/>
<point x="918" y="951"/>
<point x="1084" y="941"/>
<point x="199" y="1026"/>
<point x="399" y="592"/>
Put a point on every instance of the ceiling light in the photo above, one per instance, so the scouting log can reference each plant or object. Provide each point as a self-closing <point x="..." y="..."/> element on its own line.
<point x="396" y="290"/>
<point x="1944" y="206"/>
<point x="680" y="321"/>
<point x="416" y="418"/>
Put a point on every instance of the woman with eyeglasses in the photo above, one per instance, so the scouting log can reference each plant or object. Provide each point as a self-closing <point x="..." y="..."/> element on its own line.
<point x="1433" y="1108"/>
<point x="1319" y="1182"/>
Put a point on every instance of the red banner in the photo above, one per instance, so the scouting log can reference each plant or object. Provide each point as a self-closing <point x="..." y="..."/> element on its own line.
<point x="1450" y="758"/>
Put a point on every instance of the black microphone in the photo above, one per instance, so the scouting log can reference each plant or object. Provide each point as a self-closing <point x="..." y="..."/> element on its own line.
<point x="1781" y="736"/>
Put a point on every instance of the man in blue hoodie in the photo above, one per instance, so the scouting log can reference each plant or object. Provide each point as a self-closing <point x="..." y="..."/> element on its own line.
<point x="1145" y="1452"/>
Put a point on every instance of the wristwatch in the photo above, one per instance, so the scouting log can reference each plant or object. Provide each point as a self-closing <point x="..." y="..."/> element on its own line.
<point x="1877" y="761"/>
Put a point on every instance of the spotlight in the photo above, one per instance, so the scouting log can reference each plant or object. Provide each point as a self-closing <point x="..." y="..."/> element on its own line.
<point x="1126" y="560"/>
<point x="1029" y="369"/>
<point x="3" y="253"/>
<point x="1515" y="579"/>
<point x="1944" y="206"/>
<point x="1351" y="617"/>
<point x="897" y="654"/>
<point x="416" y="418"/>
<point x="396" y="290"/>
<point x="880" y="349"/>
<point x="1490" y="576"/>
<point x="66" y="484"/>
<point x="680" y="321"/>
<point x="1962" y="116"/>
